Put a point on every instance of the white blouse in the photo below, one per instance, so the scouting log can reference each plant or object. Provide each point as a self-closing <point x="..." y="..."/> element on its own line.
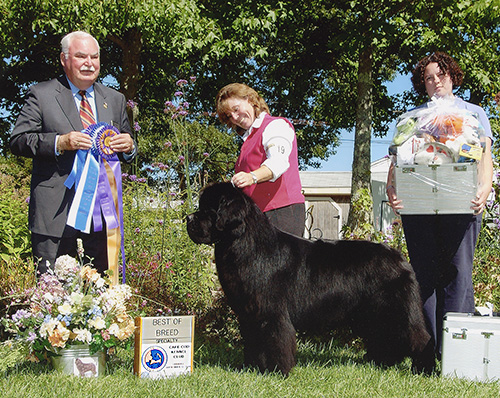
<point x="277" y="140"/>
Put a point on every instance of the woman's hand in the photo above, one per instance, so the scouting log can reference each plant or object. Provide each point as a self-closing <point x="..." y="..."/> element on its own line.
<point x="393" y="199"/>
<point x="479" y="203"/>
<point x="242" y="180"/>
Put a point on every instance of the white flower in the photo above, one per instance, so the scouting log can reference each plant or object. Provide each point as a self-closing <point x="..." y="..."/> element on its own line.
<point x="100" y="282"/>
<point x="97" y="323"/>
<point x="76" y="298"/>
<point x="64" y="309"/>
<point x="83" y="335"/>
<point x="48" y="327"/>
<point x="48" y="297"/>
<point x="65" y="266"/>
<point x="114" y="329"/>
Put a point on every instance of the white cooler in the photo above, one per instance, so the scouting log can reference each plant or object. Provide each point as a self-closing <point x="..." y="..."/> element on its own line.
<point x="436" y="189"/>
<point x="471" y="346"/>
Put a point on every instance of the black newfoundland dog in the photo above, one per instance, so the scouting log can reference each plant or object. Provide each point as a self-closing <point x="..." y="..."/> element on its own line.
<point x="277" y="283"/>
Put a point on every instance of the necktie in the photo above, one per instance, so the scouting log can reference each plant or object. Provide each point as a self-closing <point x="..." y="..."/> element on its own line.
<point x="85" y="110"/>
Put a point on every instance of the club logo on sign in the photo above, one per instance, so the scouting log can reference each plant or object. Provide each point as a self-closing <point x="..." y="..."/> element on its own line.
<point x="154" y="358"/>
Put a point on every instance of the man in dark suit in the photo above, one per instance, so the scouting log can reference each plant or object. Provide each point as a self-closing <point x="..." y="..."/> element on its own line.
<point x="49" y="130"/>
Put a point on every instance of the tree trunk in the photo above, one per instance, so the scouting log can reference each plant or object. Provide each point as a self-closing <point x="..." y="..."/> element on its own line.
<point x="131" y="45"/>
<point x="361" y="174"/>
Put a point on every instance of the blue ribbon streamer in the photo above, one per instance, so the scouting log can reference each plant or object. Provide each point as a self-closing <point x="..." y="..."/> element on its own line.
<point x="96" y="183"/>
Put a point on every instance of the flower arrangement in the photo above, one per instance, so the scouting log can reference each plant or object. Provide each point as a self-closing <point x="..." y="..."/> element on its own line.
<point x="70" y="305"/>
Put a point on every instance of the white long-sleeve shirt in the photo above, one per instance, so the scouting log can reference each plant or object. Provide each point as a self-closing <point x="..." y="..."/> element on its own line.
<point x="277" y="141"/>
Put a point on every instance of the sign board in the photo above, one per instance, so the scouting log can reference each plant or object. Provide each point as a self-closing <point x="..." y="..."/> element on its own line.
<point x="163" y="346"/>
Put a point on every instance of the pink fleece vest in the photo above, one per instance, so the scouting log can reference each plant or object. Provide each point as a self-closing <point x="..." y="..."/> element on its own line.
<point x="287" y="189"/>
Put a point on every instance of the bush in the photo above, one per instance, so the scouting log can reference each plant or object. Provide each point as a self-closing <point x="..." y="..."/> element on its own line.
<point x="164" y="267"/>
<point x="14" y="197"/>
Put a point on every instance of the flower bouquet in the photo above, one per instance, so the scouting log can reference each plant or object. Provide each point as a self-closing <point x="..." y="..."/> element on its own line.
<point x="71" y="305"/>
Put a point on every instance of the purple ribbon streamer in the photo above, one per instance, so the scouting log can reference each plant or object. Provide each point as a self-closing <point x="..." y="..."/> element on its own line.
<point x="104" y="198"/>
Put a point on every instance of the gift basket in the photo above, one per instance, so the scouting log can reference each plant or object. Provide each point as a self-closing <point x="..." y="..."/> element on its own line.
<point x="435" y="150"/>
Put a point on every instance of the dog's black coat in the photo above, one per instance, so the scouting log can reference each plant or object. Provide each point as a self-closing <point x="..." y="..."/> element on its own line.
<point x="277" y="283"/>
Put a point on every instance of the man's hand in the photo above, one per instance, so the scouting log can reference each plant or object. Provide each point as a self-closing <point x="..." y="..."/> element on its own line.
<point x="73" y="141"/>
<point x="122" y="143"/>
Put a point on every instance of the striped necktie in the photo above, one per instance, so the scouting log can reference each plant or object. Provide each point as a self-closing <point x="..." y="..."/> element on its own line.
<point x="85" y="110"/>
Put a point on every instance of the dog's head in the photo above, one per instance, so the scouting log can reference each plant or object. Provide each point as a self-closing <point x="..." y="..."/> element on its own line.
<point x="221" y="215"/>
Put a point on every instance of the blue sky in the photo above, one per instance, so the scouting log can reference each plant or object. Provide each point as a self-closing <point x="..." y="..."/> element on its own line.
<point x="342" y="160"/>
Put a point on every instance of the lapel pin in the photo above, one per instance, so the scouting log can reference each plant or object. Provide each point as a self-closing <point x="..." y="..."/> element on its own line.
<point x="105" y="105"/>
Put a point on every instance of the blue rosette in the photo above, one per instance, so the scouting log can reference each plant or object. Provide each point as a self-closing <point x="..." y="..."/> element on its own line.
<point x="101" y="133"/>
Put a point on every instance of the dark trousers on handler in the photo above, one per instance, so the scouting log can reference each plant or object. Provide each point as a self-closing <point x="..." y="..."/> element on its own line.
<point x="48" y="248"/>
<point x="441" y="250"/>
<point x="291" y="219"/>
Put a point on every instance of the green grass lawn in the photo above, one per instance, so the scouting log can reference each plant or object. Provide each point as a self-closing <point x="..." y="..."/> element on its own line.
<point x="322" y="371"/>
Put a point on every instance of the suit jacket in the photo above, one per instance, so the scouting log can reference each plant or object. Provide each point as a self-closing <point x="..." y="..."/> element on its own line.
<point x="50" y="110"/>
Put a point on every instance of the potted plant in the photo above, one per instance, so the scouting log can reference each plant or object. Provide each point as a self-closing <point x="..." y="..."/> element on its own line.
<point x="72" y="317"/>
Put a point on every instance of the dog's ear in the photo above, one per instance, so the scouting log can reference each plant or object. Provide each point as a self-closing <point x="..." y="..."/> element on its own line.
<point x="231" y="217"/>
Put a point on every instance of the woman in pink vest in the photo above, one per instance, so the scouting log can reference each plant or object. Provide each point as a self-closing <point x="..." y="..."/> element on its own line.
<point x="267" y="169"/>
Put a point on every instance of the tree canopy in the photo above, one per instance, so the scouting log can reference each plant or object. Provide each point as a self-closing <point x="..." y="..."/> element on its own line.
<point x="323" y="63"/>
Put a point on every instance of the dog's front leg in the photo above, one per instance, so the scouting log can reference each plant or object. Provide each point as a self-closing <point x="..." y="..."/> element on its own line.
<point x="252" y="348"/>
<point x="270" y="343"/>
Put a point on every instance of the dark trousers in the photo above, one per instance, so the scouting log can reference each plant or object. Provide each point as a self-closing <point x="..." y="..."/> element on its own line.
<point x="291" y="219"/>
<point x="441" y="250"/>
<point x="48" y="248"/>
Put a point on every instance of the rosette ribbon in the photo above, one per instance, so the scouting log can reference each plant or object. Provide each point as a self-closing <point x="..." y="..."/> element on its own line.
<point x="96" y="176"/>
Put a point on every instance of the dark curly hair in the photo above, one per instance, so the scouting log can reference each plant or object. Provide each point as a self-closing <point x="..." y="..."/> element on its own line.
<point x="447" y="65"/>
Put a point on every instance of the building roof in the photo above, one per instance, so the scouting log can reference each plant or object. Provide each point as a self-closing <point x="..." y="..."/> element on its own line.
<point x="338" y="182"/>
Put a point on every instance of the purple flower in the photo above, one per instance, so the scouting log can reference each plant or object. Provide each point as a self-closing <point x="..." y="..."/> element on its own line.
<point x="27" y="200"/>
<point x="185" y="105"/>
<point x="181" y="82"/>
<point x="167" y="144"/>
<point x="137" y="127"/>
<point x="183" y="113"/>
<point x="192" y="78"/>
<point x="132" y="177"/>
<point x="137" y="230"/>
<point x="20" y="314"/>
<point x="131" y="104"/>
<point x="206" y="154"/>
<point x="181" y="159"/>
<point x="178" y="94"/>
